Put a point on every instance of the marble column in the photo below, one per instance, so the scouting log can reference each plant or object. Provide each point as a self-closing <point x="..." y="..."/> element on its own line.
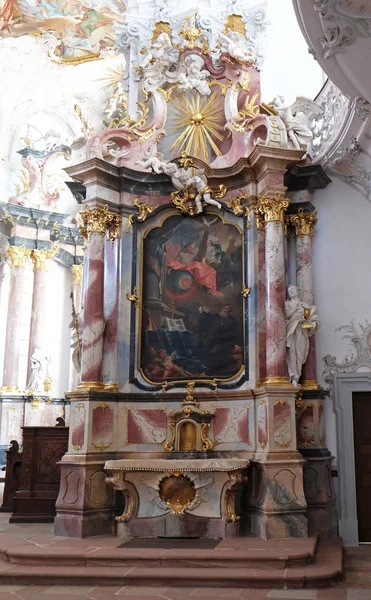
<point x="310" y="416"/>
<point x="85" y="504"/>
<point x="111" y="287"/>
<point x="16" y="256"/>
<point x="96" y="221"/>
<point x="2" y="273"/>
<point x="304" y="224"/>
<point x="37" y="327"/>
<point x="273" y="208"/>
<point x="77" y="272"/>
<point x="261" y="279"/>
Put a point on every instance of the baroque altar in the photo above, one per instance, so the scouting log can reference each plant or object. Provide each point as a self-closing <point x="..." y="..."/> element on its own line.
<point x="194" y="416"/>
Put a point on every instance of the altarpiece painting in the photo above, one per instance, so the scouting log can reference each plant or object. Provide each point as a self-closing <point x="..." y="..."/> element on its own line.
<point x="192" y="307"/>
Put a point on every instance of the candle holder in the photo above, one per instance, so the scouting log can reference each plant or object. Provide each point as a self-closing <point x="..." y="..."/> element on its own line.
<point x="307" y="324"/>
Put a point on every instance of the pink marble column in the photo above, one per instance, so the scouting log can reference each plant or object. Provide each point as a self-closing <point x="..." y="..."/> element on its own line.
<point x="77" y="271"/>
<point x="96" y="222"/>
<point x="273" y="208"/>
<point x="304" y="224"/>
<point x="38" y="325"/>
<point x="111" y="285"/>
<point x="16" y="256"/>
<point x="261" y="278"/>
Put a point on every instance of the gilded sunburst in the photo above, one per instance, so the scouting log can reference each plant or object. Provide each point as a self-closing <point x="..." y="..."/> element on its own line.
<point x="198" y="122"/>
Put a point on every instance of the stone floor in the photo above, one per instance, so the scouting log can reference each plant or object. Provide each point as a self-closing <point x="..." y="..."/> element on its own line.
<point x="356" y="584"/>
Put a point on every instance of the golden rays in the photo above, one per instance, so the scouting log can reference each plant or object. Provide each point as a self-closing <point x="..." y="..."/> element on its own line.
<point x="197" y="120"/>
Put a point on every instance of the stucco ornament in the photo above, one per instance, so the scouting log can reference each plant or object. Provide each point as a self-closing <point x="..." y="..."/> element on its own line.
<point x="301" y="323"/>
<point x="330" y="125"/>
<point x="351" y="164"/>
<point x="159" y="51"/>
<point x="194" y="76"/>
<point x="295" y="118"/>
<point x="342" y="24"/>
<point x="358" y="357"/>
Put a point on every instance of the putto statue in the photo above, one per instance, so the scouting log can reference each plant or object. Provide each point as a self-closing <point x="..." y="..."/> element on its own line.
<point x="191" y="188"/>
<point x="301" y="323"/>
<point x="158" y="51"/>
<point x="297" y="131"/>
<point x="234" y="44"/>
<point x="195" y="77"/>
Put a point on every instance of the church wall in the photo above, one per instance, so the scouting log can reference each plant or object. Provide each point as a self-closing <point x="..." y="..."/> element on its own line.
<point x="342" y="247"/>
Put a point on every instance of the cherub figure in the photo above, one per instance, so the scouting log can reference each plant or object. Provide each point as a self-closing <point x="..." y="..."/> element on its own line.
<point x="152" y="160"/>
<point x="204" y="192"/>
<point x="298" y="132"/>
<point x="233" y="44"/>
<point x="158" y="50"/>
<point x="195" y="77"/>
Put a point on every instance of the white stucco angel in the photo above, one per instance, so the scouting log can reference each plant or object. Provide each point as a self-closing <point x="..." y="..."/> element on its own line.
<point x="301" y="323"/>
<point x="153" y="160"/>
<point x="199" y="183"/>
<point x="194" y="77"/>
<point x="35" y="382"/>
<point x="158" y="51"/>
<point x="298" y="131"/>
<point x="233" y="43"/>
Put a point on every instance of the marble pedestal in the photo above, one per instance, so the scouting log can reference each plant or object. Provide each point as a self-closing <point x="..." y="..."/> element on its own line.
<point x="85" y="503"/>
<point x="277" y="502"/>
<point x="196" y="497"/>
<point x="319" y="493"/>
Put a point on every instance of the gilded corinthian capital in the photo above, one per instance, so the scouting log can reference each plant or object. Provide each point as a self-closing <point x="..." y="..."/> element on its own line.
<point x="17" y="256"/>
<point x="272" y="207"/>
<point x="39" y="257"/>
<point x="99" y="220"/>
<point x="304" y="222"/>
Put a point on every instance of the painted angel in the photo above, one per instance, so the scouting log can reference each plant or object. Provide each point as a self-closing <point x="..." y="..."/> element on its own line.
<point x="298" y="132"/>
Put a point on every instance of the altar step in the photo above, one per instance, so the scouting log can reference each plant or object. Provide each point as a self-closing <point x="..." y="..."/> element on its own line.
<point x="280" y="566"/>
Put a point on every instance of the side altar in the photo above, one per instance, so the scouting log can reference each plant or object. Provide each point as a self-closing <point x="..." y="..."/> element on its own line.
<point x="197" y="411"/>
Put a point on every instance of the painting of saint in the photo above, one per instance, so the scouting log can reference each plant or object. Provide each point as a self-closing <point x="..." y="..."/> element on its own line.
<point x="192" y="319"/>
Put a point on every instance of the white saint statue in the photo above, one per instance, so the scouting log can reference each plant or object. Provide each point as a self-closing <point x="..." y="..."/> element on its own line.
<point x="35" y="382"/>
<point x="301" y="323"/>
<point x="298" y="132"/>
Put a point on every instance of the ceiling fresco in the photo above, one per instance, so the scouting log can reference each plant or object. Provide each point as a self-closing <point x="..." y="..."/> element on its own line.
<point x="74" y="31"/>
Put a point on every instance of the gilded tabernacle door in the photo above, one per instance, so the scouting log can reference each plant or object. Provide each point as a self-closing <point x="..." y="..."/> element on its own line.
<point x="192" y="321"/>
